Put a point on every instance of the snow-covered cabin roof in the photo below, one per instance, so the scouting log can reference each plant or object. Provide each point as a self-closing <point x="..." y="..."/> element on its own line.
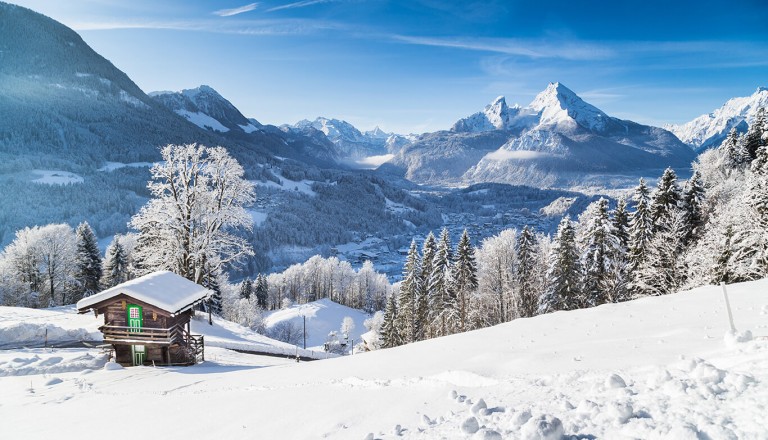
<point x="162" y="289"/>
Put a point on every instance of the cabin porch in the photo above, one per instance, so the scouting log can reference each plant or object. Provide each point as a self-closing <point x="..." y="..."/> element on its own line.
<point x="154" y="346"/>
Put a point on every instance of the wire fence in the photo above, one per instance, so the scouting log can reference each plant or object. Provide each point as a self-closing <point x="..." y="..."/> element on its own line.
<point x="41" y="343"/>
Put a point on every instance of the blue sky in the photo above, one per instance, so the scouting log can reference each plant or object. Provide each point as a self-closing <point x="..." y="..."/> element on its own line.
<point x="419" y="65"/>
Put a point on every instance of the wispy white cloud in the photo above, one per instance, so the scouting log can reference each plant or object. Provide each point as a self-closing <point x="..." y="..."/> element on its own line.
<point x="299" y="4"/>
<point x="504" y="155"/>
<point x="243" y="27"/>
<point x="235" y="11"/>
<point x="571" y="50"/>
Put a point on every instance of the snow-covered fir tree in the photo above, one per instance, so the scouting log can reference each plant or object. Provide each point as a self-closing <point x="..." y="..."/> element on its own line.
<point x="563" y="290"/>
<point x="409" y="291"/>
<point x="246" y="288"/>
<point x="464" y="279"/>
<point x="691" y="205"/>
<point x="214" y="303"/>
<point x="663" y="270"/>
<point x="115" y="269"/>
<point x="88" y="262"/>
<point x="755" y="136"/>
<point x="442" y="301"/>
<point x="600" y="246"/>
<point x="421" y="319"/>
<point x="640" y="227"/>
<point x="390" y="336"/>
<point x="619" y="277"/>
<point x="527" y="301"/>
<point x="261" y="290"/>
<point x="736" y="151"/>
<point x="666" y="198"/>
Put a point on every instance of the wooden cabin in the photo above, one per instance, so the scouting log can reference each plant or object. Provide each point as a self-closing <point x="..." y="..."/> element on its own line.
<point x="146" y="319"/>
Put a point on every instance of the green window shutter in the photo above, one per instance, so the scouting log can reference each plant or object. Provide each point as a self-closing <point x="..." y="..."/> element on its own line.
<point x="135" y="317"/>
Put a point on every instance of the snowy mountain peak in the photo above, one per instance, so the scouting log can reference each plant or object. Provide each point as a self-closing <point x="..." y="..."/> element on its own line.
<point x="378" y="133"/>
<point x="351" y="142"/>
<point x="556" y="106"/>
<point x="560" y="106"/>
<point x="710" y="129"/>
<point x="496" y="116"/>
<point x="206" y="108"/>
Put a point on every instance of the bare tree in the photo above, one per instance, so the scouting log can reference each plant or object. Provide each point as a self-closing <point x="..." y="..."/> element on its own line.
<point x="199" y="199"/>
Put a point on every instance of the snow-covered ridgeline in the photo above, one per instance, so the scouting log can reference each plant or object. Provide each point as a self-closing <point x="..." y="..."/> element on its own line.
<point x="710" y="129"/>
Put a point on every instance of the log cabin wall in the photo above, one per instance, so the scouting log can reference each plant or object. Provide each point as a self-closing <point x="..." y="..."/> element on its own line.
<point x="115" y="314"/>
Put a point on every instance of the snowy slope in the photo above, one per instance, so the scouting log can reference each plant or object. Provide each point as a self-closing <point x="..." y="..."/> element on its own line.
<point x="652" y="368"/>
<point x="206" y="108"/>
<point x="323" y="316"/>
<point x="710" y="129"/>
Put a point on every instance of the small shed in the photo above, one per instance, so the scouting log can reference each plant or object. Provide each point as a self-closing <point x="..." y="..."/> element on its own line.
<point x="146" y="319"/>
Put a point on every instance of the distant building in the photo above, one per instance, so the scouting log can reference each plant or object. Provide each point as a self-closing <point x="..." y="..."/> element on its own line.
<point x="147" y="319"/>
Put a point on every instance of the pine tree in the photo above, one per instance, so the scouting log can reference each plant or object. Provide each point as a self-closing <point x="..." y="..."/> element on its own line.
<point x="115" y="265"/>
<point x="429" y="249"/>
<point x="599" y="247"/>
<point x="527" y="302"/>
<point x="389" y="334"/>
<point x="662" y="272"/>
<point x="693" y="197"/>
<point x="736" y="151"/>
<point x="214" y="302"/>
<point x="666" y="199"/>
<point x="246" y="289"/>
<point x="409" y="290"/>
<point x="620" y="218"/>
<point x="755" y="137"/>
<point x="261" y="291"/>
<point x="465" y="278"/>
<point x="442" y="305"/>
<point x="88" y="261"/>
<point x="618" y="279"/>
<point x="721" y="272"/>
<point x="640" y="227"/>
<point x="563" y="290"/>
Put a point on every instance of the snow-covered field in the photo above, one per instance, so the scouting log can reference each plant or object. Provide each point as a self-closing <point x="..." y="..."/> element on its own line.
<point x="661" y="367"/>
<point x="302" y="186"/>
<point x="55" y="177"/>
<point x="323" y="316"/>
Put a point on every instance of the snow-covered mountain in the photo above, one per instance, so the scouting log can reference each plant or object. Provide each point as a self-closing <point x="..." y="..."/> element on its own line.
<point x="206" y="108"/>
<point x="351" y="143"/>
<point x="558" y="139"/>
<point x="710" y="129"/>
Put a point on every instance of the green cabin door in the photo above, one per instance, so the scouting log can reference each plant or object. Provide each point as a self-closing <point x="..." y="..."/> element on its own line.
<point x="139" y="354"/>
<point x="135" y="317"/>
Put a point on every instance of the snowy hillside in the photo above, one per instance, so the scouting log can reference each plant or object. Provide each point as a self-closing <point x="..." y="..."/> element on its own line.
<point x="323" y="316"/>
<point x="710" y="129"/>
<point x="659" y="367"/>
<point x="206" y="108"/>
